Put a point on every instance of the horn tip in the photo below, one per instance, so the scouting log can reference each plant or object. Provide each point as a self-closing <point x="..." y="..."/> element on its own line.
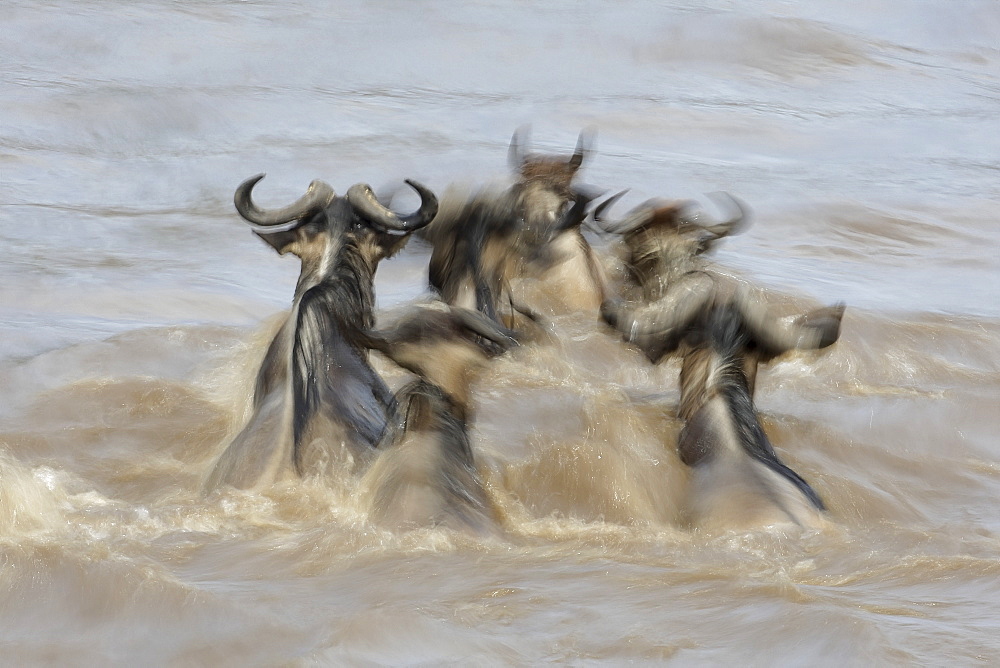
<point x="252" y="180"/>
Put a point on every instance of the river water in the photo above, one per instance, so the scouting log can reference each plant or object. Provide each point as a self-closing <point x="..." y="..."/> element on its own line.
<point x="136" y="305"/>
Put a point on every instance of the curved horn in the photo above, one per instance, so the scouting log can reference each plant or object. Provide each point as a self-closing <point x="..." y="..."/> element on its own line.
<point x="584" y="146"/>
<point x="637" y="217"/>
<point x="317" y="197"/>
<point x="574" y="215"/>
<point x="515" y="152"/>
<point x="364" y="203"/>
<point x="735" y="224"/>
<point x="599" y="209"/>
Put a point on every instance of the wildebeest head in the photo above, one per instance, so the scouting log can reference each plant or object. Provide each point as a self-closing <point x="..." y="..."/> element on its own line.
<point x="543" y="185"/>
<point x="318" y="225"/>
<point x="663" y="238"/>
<point x="494" y="237"/>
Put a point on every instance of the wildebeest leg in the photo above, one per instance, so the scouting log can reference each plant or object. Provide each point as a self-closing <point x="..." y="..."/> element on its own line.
<point x="525" y="310"/>
<point x="485" y="299"/>
<point x="816" y="329"/>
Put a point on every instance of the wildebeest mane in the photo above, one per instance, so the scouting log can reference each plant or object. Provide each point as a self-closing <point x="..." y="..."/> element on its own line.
<point x="328" y="366"/>
<point x="726" y="336"/>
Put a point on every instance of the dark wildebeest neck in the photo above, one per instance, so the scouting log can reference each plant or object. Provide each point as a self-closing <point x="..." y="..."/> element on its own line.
<point x="714" y="369"/>
<point x="351" y="282"/>
<point x="331" y="372"/>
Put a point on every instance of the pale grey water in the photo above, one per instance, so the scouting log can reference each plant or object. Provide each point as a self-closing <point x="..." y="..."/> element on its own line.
<point x="133" y="305"/>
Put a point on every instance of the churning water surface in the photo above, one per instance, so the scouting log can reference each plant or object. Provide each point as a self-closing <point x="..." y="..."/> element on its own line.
<point x="136" y="305"/>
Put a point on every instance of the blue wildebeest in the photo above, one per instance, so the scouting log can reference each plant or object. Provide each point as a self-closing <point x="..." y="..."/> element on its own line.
<point x="737" y="478"/>
<point x="664" y="240"/>
<point x="425" y="473"/>
<point x="531" y="230"/>
<point x="315" y="389"/>
<point x="738" y="481"/>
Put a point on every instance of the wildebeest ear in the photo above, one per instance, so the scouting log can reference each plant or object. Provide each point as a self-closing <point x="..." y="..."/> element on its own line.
<point x="279" y="241"/>
<point x="290" y="238"/>
<point x="705" y="240"/>
<point x="392" y="243"/>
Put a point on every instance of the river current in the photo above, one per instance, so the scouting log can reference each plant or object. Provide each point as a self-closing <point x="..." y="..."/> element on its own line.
<point x="135" y="306"/>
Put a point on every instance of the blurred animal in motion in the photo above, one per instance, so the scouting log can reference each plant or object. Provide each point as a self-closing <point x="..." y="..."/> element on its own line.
<point x="315" y="389"/>
<point x="530" y="231"/>
<point x="738" y="481"/>
<point x="664" y="247"/>
<point x="664" y="241"/>
<point x="425" y="474"/>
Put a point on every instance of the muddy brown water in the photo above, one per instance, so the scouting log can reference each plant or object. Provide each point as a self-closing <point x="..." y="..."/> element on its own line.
<point x="135" y="306"/>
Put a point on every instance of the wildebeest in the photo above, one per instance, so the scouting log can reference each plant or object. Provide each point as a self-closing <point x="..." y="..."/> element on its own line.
<point x="737" y="478"/>
<point x="664" y="243"/>
<point x="664" y="240"/>
<point x="425" y="473"/>
<point x="738" y="481"/>
<point x="315" y="385"/>
<point x="530" y="230"/>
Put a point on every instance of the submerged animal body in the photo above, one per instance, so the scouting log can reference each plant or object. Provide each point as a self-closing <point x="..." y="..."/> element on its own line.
<point x="425" y="473"/>
<point x="531" y="230"/>
<point x="315" y="390"/>
<point x="737" y="479"/>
